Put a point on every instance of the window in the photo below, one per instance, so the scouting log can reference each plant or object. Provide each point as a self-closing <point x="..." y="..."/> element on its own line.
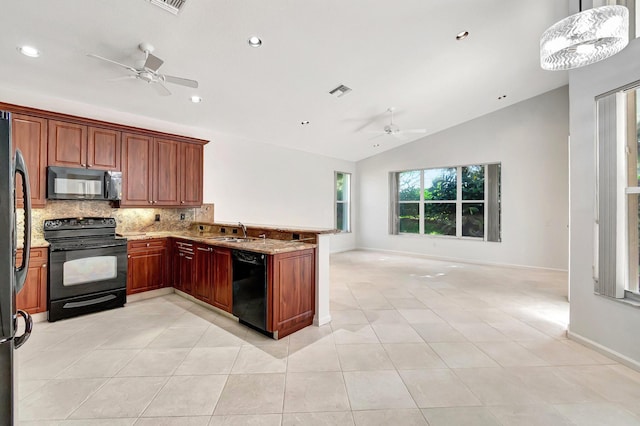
<point x="343" y="202"/>
<point x="617" y="236"/>
<point x="459" y="201"/>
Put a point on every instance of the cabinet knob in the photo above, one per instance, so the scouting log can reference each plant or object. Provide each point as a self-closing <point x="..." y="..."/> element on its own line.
<point x="147" y="244"/>
<point x="128" y="256"/>
<point x="83" y="165"/>
<point x="89" y="165"/>
<point x="150" y="202"/>
<point x="181" y="202"/>
<point x="44" y="265"/>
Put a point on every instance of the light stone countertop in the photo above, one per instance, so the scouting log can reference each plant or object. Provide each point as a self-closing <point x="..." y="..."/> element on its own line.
<point x="259" y="245"/>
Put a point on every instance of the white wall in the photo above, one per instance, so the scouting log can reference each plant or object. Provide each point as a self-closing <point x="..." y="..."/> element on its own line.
<point x="530" y="140"/>
<point x="605" y="322"/>
<point x="247" y="181"/>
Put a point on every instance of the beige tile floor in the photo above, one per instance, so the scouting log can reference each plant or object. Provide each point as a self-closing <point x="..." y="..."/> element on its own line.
<point x="412" y="342"/>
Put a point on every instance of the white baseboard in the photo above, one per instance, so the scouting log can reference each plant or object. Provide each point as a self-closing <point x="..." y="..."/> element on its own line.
<point x="458" y="259"/>
<point x="343" y="250"/>
<point x="610" y="353"/>
<point x="321" y="321"/>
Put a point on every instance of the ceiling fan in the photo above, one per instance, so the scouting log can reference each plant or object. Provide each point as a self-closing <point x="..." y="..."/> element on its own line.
<point x="392" y="128"/>
<point x="149" y="71"/>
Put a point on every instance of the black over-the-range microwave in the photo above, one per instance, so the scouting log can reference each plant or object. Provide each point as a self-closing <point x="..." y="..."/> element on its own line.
<point x="67" y="183"/>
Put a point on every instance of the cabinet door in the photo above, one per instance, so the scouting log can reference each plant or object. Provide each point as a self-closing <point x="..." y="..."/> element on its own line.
<point x="293" y="291"/>
<point x="146" y="270"/>
<point x="222" y="279"/>
<point x="166" y="182"/>
<point x="29" y="134"/>
<point x="67" y="144"/>
<point x="203" y="283"/>
<point x="33" y="296"/>
<point x="103" y="149"/>
<point x="137" y="154"/>
<point x="191" y="175"/>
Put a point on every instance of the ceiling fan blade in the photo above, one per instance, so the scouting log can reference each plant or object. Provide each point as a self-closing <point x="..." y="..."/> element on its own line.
<point x="126" y="77"/>
<point x="375" y="132"/>
<point x="398" y="136"/>
<point x="153" y="62"/>
<point x="161" y="89"/>
<point x="181" y="81"/>
<point x="130" y="68"/>
<point x="415" y="131"/>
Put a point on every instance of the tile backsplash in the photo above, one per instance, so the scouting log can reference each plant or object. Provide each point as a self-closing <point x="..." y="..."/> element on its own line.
<point x="127" y="219"/>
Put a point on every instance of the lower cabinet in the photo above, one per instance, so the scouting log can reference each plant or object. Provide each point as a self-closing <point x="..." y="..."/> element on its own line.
<point x="222" y="276"/>
<point x="148" y="267"/>
<point x="183" y="266"/>
<point x="291" y="291"/>
<point x="33" y="296"/>
<point x="213" y="276"/>
<point x="204" y="273"/>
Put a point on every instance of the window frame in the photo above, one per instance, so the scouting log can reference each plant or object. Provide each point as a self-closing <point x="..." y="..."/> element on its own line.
<point x="346" y="202"/>
<point x="459" y="202"/>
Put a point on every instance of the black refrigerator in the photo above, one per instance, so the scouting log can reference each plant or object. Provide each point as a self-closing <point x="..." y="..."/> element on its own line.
<point x="12" y="277"/>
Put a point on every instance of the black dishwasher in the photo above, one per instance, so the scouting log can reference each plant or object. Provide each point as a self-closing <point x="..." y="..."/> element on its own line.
<point x="250" y="289"/>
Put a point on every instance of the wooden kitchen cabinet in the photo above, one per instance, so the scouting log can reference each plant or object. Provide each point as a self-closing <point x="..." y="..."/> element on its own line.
<point x="184" y="266"/>
<point x="222" y="279"/>
<point x="103" y="149"/>
<point x="191" y="174"/>
<point x="160" y="172"/>
<point x="204" y="266"/>
<point x="33" y="296"/>
<point x="137" y="155"/>
<point x="29" y="134"/>
<point x="166" y="173"/>
<point x="291" y="291"/>
<point x="77" y="145"/>
<point x="148" y="266"/>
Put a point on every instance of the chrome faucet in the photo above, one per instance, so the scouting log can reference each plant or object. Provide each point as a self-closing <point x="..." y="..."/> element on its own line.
<point x="244" y="229"/>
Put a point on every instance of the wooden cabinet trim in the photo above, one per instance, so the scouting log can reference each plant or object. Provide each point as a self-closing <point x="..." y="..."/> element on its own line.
<point x="33" y="145"/>
<point x="19" y="109"/>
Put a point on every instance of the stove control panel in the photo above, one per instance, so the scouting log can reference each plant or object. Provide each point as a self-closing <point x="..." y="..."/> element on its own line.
<point x="79" y="223"/>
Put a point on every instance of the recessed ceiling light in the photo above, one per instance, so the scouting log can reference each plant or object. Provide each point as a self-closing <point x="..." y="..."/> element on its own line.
<point x="254" y="41"/>
<point x="29" y="51"/>
<point x="501" y="97"/>
<point x="462" y="35"/>
<point x="196" y="99"/>
<point x="304" y="122"/>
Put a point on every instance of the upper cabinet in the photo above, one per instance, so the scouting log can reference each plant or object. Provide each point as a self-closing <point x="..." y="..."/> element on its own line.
<point x="160" y="172"/>
<point x="158" y="169"/>
<point x="29" y="134"/>
<point x="191" y="175"/>
<point x="137" y="155"/>
<point x="76" y="145"/>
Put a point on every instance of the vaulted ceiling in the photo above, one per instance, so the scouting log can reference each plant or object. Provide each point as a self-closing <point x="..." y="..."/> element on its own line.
<point x="401" y="54"/>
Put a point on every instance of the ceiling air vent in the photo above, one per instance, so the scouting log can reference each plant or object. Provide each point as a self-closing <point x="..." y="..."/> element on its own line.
<point x="340" y="91"/>
<point x="173" y="6"/>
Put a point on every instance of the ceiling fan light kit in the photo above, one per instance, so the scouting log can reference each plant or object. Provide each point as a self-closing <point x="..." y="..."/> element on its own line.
<point x="585" y="38"/>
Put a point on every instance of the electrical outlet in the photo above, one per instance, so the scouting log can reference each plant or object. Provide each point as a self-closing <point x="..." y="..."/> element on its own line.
<point x="223" y="230"/>
<point x="157" y="218"/>
<point x="182" y="216"/>
<point x="235" y="231"/>
<point x="201" y="228"/>
<point x="295" y="236"/>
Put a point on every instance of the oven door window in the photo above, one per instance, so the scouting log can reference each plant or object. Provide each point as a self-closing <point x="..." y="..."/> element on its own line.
<point x="89" y="269"/>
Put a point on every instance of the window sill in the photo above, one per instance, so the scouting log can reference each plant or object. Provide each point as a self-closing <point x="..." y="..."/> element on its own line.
<point x="444" y="237"/>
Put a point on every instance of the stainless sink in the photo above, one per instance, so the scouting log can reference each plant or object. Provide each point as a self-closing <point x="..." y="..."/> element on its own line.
<point x="231" y="239"/>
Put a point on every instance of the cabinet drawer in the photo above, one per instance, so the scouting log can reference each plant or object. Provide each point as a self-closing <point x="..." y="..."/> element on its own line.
<point x="147" y="244"/>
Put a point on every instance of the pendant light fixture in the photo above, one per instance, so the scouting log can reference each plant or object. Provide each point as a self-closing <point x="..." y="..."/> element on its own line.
<point x="584" y="38"/>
